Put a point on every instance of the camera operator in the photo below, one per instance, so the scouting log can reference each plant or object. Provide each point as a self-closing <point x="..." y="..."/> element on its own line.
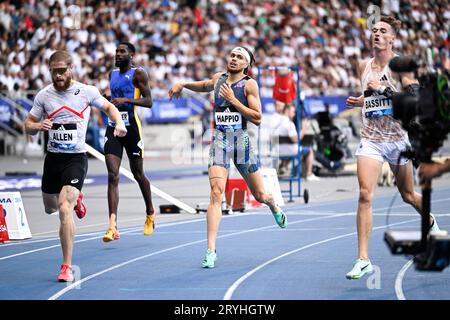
<point x="433" y="169"/>
<point x="382" y="136"/>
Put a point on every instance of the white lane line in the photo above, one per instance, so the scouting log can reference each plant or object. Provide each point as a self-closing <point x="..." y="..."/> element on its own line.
<point x="169" y="224"/>
<point x="105" y="224"/>
<point x="55" y="238"/>
<point x="399" y="280"/>
<point x="89" y="239"/>
<point x="54" y="246"/>
<point x="259" y="211"/>
<point x="228" y="295"/>
<point x="77" y="283"/>
<point x="93" y="233"/>
<point x="354" y="201"/>
<point x="397" y="214"/>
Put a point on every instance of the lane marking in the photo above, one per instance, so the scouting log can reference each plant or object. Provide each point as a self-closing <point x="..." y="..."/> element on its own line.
<point x="229" y="293"/>
<point x="399" y="280"/>
<point x="79" y="282"/>
<point x="133" y="229"/>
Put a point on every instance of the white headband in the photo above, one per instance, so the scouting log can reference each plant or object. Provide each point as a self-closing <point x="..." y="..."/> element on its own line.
<point x="243" y="52"/>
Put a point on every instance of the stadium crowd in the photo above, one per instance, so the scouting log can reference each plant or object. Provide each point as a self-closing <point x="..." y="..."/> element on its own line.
<point x="179" y="41"/>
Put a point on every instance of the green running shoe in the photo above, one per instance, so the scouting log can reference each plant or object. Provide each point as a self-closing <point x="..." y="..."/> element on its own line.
<point x="210" y="259"/>
<point x="280" y="218"/>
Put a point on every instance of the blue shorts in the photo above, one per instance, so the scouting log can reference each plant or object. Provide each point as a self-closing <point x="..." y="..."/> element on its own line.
<point x="227" y="145"/>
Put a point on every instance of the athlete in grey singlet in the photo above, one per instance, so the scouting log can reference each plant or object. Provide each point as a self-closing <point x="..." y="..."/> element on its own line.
<point x="236" y="103"/>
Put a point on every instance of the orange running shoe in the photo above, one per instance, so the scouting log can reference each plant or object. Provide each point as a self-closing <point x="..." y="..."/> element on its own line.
<point x="149" y="225"/>
<point x="111" y="234"/>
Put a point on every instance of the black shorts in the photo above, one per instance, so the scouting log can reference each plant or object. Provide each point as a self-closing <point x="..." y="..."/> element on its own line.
<point x="132" y="142"/>
<point x="63" y="169"/>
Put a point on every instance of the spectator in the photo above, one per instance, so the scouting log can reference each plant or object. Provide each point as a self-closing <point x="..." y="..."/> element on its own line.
<point x="288" y="143"/>
<point x="179" y="42"/>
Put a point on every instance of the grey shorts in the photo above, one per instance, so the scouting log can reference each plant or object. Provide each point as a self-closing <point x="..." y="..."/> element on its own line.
<point x="233" y="144"/>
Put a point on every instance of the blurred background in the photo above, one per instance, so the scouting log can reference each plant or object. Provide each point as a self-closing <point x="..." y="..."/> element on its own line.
<point x="188" y="41"/>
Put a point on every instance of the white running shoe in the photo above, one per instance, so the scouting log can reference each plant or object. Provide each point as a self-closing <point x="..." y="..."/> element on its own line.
<point x="312" y="177"/>
<point x="360" y="268"/>
<point x="434" y="227"/>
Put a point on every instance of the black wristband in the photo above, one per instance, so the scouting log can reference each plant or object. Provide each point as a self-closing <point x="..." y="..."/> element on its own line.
<point x="388" y="92"/>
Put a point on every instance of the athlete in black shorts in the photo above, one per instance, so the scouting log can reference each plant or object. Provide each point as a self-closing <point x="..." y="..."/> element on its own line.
<point x="129" y="89"/>
<point x="62" y="109"/>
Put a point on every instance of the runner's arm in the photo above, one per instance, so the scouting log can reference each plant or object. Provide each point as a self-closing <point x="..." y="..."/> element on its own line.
<point x="197" y="86"/>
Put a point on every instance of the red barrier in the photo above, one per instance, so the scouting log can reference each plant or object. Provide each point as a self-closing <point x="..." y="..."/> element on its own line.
<point x="4" y="237"/>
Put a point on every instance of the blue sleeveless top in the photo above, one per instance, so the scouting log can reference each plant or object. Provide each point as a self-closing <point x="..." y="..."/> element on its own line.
<point x="121" y="85"/>
<point x="226" y="116"/>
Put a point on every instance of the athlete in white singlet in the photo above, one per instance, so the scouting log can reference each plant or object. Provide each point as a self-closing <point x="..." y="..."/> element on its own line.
<point x="382" y="137"/>
<point x="63" y="109"/>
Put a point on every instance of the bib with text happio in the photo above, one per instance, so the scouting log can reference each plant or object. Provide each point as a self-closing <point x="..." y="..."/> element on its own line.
<point x="229" y="119"/>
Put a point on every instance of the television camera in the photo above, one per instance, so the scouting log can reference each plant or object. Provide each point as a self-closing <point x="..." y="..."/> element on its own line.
<point x="426" y="118"/>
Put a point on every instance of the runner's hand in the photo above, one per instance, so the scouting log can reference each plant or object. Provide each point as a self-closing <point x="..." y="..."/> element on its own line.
<point x="374" y="85"/>
<point x="175" y="91"/>
<point x="120" y="130"/>
<point x="226" y="92"/>
<point x="354" y="102"/>
<point x="118" y="101"/>
<point x="46" y="125"/>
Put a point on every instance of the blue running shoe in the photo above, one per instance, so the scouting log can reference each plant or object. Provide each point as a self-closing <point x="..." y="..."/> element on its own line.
<point x="280" y="218"/>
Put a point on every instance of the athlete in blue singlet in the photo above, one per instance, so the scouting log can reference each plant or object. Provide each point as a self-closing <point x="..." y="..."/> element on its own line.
<point x="127" y="84"/>
<point x="236" y="101"/>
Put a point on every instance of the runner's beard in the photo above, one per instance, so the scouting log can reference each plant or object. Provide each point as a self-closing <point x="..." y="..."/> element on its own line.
<point x="234" y="70"/>
<point x="64" y="86"/>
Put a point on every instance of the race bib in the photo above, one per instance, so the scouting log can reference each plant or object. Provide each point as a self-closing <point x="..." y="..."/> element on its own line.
<point x="63" y="136"/>
<point x="125" y="119"/>
<point x="229" y="119"/>
<point x="377" y="106"/>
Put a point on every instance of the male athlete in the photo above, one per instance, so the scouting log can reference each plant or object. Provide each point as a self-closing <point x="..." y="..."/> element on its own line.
<point x="65" y="107"/>
<point x="382" y="137"/>
<point x="127" y="84"/>
<point x="236" y="101"/>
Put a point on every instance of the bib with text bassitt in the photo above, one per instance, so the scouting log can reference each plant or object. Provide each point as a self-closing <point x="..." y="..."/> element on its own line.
<point x="63" y="136"/>
<point x="125" y="119"/>
<point x="377" y="106"/>
<point x="229" y="120"/>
